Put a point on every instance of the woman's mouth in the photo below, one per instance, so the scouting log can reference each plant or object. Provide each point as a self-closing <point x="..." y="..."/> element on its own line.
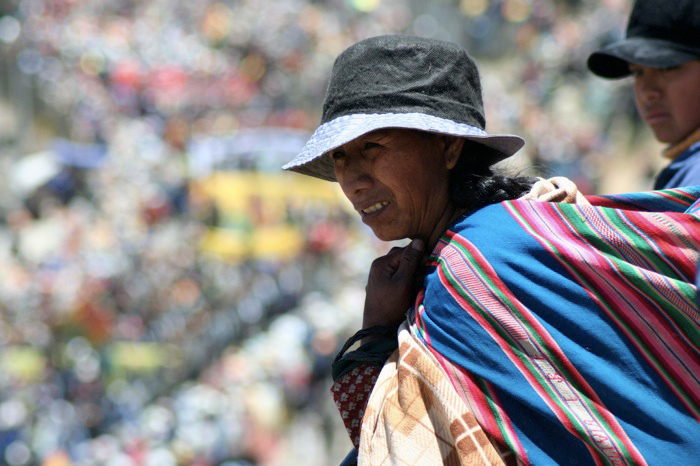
<point x="374" y="208"/>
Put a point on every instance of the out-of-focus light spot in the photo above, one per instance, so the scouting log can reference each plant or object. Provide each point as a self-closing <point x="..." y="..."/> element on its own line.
<point x="92" y="63"/>
<point x="225" y="123"/>
<point x="61" y="411"/>
<point x="58" y="458"/>
<point x="217" y="22"/>
<point x="426" y="26"/>
<point x="25" y="363"/>
<point x="17" y="453"/>
<point x="52" y="69"/>
<point x="482" y="28"/>
<point x="127" y="74"/>
<point x="254" y="67"/>
<point x="250" y="310"/>
<point x="473" y="8"/>
<point x="516" y="11"/>
<point x="186" y="292"/>
<point x="9" y="29"/>
<point x="29" y="61"/>
<point x="88" y="370"/>
<point x="365" y="5"/>
<point x="13" y="413"/>
<point x="324" y="342"/>
<point x="78" y="348"/>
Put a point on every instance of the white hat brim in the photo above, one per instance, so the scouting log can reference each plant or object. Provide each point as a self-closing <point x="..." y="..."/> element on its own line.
<point x="333" y="134"/>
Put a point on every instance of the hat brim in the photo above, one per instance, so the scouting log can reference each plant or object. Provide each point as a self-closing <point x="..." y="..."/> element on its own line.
<point x="314" y="161"/>
<point x="613" y="61"/>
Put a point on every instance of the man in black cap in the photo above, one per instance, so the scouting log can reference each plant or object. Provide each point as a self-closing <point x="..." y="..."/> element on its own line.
<point x="661" y="51"/>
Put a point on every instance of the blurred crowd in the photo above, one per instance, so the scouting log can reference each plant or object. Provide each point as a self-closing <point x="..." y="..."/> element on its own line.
<point x="126" y="337"/>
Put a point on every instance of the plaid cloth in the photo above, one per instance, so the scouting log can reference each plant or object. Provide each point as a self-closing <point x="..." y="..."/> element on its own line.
<point x="415" y="417"/>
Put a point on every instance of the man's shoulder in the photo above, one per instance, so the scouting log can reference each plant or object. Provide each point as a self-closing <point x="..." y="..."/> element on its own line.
<point x="683" y="171"/>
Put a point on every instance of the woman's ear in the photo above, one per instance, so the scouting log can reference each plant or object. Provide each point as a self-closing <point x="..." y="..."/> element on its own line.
<point x="453" y="149"/>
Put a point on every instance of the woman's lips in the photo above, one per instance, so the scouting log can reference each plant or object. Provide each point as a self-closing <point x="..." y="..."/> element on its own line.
<point x="374" y="209"/>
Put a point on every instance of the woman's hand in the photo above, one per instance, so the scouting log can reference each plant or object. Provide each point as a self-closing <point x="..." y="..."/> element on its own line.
<point x="390" y="287"/>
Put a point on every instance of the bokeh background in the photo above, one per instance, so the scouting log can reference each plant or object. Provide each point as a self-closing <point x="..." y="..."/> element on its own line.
<point x="167" y="296"/>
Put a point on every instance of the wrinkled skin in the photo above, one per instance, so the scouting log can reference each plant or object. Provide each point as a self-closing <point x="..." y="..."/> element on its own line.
<point x="397" y="181"/>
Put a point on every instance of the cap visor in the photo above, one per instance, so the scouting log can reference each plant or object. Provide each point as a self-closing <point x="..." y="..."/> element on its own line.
<point x="613" y="61"/>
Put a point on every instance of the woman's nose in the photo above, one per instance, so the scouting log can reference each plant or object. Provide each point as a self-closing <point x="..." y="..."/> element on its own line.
<point x="355" y="176"/>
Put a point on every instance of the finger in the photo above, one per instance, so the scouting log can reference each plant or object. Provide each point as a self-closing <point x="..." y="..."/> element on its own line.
<point x="410" y="258"/>
<point x="392" y="259"/>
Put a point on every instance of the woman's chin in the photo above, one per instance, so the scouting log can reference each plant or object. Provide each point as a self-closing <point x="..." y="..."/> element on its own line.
<point x="385" y="235"/>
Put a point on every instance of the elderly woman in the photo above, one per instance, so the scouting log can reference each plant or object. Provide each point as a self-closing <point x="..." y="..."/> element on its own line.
<point x="523" y="322"/>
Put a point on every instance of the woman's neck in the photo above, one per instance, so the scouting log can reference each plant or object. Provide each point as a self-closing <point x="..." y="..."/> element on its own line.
<point x="451" y="214"/>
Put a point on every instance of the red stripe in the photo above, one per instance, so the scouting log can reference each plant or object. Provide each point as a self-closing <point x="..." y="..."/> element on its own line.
<point x="637" y="316"/>
<point x="473" y="396"/>
<point x="475" y="287"/>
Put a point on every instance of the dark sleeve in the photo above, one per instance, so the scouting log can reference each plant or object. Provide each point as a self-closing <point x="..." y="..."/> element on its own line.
<point x="356" y="372"/>
<point x="375" y="352"/>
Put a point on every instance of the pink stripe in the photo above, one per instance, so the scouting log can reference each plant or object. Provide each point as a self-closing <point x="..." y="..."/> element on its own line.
<point x="555" y="380"/>
<point x="654" y="331"/>
<point x="661" y="282"/>
<point x="465" y="389"/>
<point x="481" y="408"/>
<point x="678" y="235"/>
<point x="642" y="234"/>
<point x="597" y="265"/>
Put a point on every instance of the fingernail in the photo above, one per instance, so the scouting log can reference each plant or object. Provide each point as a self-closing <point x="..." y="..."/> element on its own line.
<point x="417" y="244"/>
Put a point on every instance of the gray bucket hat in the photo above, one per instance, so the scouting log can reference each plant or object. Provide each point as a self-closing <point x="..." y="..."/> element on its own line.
<point x="660" y="34"/>
<point x="400" y="81"/>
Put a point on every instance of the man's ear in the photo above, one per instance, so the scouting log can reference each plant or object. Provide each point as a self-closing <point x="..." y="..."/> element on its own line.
<point x="453" y="149"/>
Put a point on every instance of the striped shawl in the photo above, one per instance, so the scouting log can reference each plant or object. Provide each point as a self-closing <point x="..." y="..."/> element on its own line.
<point x="570" y="332"/>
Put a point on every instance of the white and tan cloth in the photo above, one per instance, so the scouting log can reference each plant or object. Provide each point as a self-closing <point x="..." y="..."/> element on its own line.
<point x="414" y="416"/>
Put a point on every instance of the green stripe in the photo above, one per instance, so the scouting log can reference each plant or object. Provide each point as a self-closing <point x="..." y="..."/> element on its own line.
<point x="686" y="325"/>
<point x="496" y="412"/>
<point x="556" y="363"/>
<point x="532" y="368"/>
<point x="632" y="274"/>
<point x="612" y="219"/>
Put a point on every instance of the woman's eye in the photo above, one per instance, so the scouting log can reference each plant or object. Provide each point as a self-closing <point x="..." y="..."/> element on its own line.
<point x="634" y="71"/>
<point x="371" y="145"/>
<point x="337" y="155"/>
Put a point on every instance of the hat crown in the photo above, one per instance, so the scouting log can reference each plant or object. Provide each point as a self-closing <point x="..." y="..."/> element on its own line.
<point x="405" y="74"/>
<point x="400" y="81"/>
<point x="676" y="21"/>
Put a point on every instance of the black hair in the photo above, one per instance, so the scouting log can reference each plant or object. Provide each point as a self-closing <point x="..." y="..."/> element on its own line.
<point x="474" y="183"/>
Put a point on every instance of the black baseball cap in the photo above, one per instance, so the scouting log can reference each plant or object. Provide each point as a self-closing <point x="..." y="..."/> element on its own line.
<point x="660" y="34"/>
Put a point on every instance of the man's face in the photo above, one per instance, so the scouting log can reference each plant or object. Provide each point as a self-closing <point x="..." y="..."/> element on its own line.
<point x="669" y="99"/>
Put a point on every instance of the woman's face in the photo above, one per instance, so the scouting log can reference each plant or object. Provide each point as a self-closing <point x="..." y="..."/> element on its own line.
<point x="397" y="181"/>
<point x="668" y="99"/>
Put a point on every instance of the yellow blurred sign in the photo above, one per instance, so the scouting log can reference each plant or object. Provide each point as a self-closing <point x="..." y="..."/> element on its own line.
<point x="260" y="212"/>
<point x="142" y="356"/>
<point x="25" y="363"/>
